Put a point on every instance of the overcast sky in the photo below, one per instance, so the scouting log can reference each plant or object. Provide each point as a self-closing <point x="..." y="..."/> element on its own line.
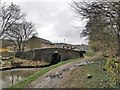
<point x="54" y="19"/>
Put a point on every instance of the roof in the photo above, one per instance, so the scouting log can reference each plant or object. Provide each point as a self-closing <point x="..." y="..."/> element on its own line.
<point x="62" y="44"/>
<point x="41" y="39"/>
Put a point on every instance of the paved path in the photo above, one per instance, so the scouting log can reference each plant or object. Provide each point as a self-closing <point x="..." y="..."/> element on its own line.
<point x="56" y="77"/>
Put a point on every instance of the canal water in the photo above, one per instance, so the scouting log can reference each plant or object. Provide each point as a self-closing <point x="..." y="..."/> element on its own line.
<point x="11" y="77"/>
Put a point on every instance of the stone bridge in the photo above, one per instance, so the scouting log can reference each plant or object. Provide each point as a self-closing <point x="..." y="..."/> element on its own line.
<point x="50" y="55"/>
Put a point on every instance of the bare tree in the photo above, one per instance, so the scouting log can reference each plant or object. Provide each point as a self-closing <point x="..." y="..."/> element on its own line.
<point x="19" y="33"/>
<point x="14" y="27"/>
<point x="9" y="14"/>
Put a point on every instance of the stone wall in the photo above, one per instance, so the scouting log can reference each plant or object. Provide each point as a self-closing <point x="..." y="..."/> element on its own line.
<point x="46" y="54"/>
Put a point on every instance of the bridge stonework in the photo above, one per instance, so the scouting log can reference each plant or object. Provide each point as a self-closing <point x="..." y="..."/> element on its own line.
<point x="50" y="55"/>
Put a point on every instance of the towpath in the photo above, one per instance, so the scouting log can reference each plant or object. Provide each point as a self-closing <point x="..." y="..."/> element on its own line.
<point x="58" y="77"/>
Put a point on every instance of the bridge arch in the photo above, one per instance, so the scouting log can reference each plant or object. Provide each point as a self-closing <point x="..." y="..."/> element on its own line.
<point x="55" y="58"/>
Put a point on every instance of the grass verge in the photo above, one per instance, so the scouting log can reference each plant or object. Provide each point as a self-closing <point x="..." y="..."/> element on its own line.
<point x="90" y="53"/>
<point x="40" y="72"/>
<point x="99" y="78"/>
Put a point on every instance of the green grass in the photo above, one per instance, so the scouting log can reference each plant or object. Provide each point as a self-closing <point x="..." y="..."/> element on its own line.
<point x="100" y="78"/>
<point x="40" y="72"/>
<point x="90" y="53"/>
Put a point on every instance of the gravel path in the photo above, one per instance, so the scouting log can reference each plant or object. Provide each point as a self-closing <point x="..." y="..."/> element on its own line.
<point x="57" y="78"/>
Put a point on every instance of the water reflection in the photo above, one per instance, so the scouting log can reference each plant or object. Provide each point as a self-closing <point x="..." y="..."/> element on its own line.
<point x="11" y="77"/>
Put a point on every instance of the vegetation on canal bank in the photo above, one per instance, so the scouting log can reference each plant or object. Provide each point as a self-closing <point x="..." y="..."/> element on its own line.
<point x="112" y="66"/>
<point x="40" y="72"/>
<point x="17" y="62"/>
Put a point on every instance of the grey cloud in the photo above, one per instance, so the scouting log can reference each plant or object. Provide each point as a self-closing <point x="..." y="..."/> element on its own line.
<point x="56" y="15"/>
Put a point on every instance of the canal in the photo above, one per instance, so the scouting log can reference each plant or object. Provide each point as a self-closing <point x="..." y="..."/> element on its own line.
<point x="11" y="77"/>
